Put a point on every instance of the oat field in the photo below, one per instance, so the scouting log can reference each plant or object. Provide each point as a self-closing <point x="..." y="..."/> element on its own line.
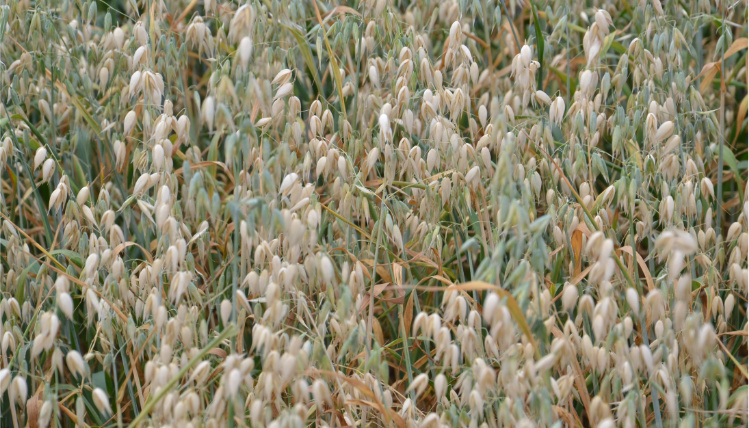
<point x="375" y="213"/>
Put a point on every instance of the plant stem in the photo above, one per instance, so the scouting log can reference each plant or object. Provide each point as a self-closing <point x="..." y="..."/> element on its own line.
<point x="719" y="207"/>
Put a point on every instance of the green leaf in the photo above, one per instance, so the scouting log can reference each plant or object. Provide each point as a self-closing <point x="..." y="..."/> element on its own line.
<point x="540" y="44"/>
<point x="606" y="45"/>
<point x="71" y="255"/>
<point x="99" y="380"/>
<point x="39" y="202"/>
<point x="730" y="160"/>
<point x="306" y="54"/>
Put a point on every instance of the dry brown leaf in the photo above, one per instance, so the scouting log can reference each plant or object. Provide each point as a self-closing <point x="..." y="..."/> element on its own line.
<point x="341" y="10"/>
<point x="740" y="117"/>
<point x="710" y="69"/>
<point x="400" y="295"/>
<point x="118" y="249"/>
<point x="33" y="407"/>
<point x="579" y="277"/>
<point x="442" y="279"/>
<point x="737" y="45"/>
<point x="558" y="249"/>
<point x="582" y="227"/>
<point x="708" y="73"/>
<point x="218" y="352"/>
<point x="577" y="250"/>
<point x="408" y="312"/>
<point x="377" y="329"/>
<point x="565" y="415"/>
<point x="420" y="257"/>
<point x="643" y="266"/>
<point x="382" y="270"/>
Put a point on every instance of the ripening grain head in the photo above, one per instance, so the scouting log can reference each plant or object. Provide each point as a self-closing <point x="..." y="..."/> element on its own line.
<point x="373" y="213"/>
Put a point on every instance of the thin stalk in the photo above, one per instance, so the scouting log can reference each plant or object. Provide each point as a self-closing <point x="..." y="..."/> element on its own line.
<point x="235" y="280"/>
<point x="406" y="351"/>
<point x="567" y="52"/>
<point x="487" y="36"/>
<point x="427" y="344"/>
<point x="129" y="382"/>
<point x="459" y="259"/>
<point x="512" y="26"/>
<point x="117" y="389"/>
<point x="370" y="316"/>
<point x="719" y="207"/>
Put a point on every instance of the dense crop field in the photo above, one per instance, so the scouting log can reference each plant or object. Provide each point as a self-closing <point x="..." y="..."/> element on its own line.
<point x="291" y="213"/>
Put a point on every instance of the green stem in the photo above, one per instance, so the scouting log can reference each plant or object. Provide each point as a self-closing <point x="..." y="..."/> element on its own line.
<point x="370" y="317"/>
<point x="718" y="208"/>
<point x="512" y="25"/>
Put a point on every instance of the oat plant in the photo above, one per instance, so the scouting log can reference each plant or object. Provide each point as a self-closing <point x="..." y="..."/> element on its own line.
<point x="289" y="213"/>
